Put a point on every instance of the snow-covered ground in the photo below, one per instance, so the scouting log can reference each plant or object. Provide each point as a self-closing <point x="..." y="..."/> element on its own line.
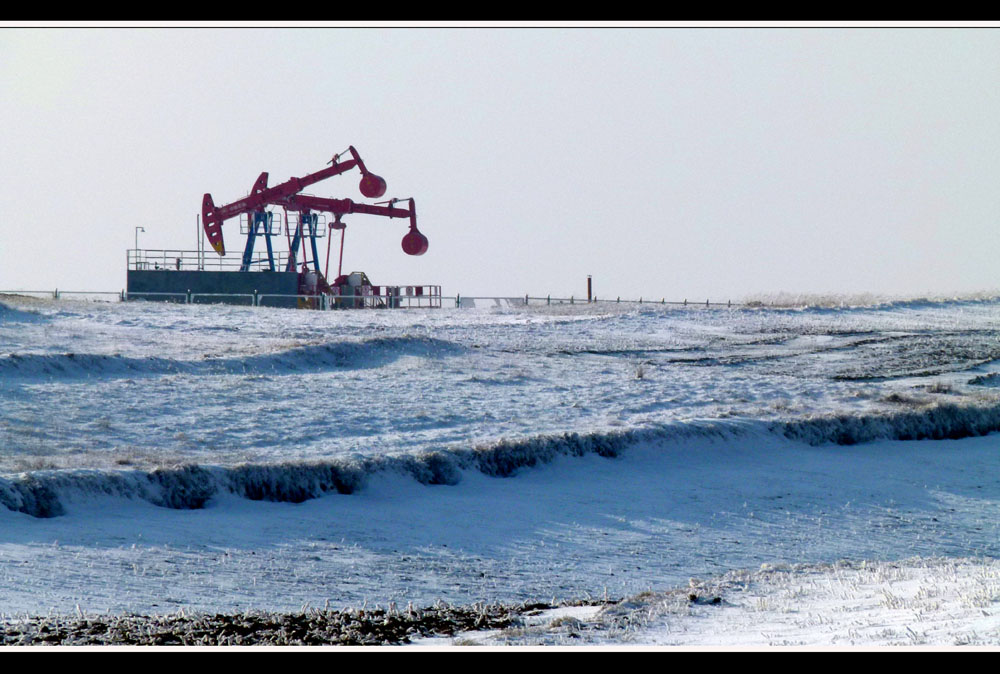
<point x="829" y="473"/>
<point x="916" y="603"/>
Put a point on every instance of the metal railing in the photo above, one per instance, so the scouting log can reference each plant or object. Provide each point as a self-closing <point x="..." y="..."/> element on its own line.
<point x="526" y="300"/>
<point x="420" y="296"/>
<point x="56" y="294"/>
<point x="184" y="298"/>
<point x="192" y="260"/>
<point x="321" y="301"/>
<point x="393" y="296"/>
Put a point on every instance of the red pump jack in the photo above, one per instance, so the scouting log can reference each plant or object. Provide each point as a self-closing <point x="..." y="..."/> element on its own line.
<point x="287" y="195"/>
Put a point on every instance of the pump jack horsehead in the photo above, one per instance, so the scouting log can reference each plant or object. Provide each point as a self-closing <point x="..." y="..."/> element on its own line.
<point x="287" y="195"/>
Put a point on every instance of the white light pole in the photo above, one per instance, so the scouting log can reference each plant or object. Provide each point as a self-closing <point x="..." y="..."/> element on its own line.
<point x="137" y="230"/>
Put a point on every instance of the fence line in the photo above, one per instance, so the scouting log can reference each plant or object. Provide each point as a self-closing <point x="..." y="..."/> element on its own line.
<point x="527" y="300"/>
<point x="400" y="301"/>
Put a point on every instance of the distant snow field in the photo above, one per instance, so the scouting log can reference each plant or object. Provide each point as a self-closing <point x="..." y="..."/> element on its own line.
<point x="819" y="476"/>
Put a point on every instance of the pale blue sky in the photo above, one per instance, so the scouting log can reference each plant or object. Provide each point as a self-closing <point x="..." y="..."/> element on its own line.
<point x="704" y="162"/>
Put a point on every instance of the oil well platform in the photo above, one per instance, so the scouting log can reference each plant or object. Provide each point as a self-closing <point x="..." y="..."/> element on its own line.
<point x="291" y="277"/>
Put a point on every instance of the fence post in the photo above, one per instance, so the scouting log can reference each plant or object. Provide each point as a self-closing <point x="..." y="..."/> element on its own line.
<point x="256" y="300"/>
<point x="187" y="298"/>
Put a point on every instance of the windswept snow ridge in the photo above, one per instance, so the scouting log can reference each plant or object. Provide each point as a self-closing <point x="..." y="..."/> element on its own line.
<point x="10" y="314"/>
<point x="191" y="486"/>
<point x="936" y="421"/>
<point x="368" y="353"/>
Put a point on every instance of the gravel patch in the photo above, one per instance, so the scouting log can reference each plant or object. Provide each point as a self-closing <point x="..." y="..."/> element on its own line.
<point x="351" y="627"/>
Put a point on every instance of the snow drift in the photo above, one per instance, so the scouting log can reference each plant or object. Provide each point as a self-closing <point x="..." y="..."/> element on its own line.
<point x="42" y="493"/>
<point x="367" y="353"/>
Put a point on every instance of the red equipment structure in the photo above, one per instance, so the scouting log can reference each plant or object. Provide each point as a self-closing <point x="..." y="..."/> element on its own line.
<point x="287" y="195"/>
<point x="300" y="283"/>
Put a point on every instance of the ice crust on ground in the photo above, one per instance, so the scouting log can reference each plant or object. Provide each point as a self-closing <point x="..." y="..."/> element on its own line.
<point x="154" y="456"/>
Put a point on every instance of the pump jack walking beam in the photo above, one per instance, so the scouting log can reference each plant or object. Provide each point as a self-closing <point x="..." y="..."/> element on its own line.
<point x="212" y="216"/>
<point x="414" y="242"/>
